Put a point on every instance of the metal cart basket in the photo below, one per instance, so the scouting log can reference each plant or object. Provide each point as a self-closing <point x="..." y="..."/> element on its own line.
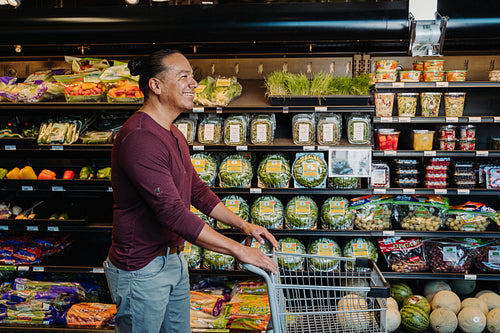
<point x="317" y="293"/>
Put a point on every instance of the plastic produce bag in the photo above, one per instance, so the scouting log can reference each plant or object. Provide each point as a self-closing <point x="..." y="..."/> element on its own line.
<point x="187" y="126"/>
<point x="301" y="213"/>
<point x="193" y="255"/>
<point x="453" y="256"/>
<point x="359" y="129"/>
<point x="235" y="171"/>
<point x="268" y="211"/>
<point x="235" y="130"/>
<point x="303" y="127"/>
<point x="88" y="314"/>
<point x="215" y="260"/>
<point x="238" y="206"/>
<point x="420" y="212"/>
<point x="359" y="248"/>
<point x="274" y="171"/>
<point x="288" y="260"/>
<point x="262" y="129"/>
<point x="470" y="216"/>
<point x="372" y="212"/>
<point x="336" y="215"/>
<point x="205" y="165"/>
<point x="207" y="219"/>
<point x="324" y="247"/>
<point x="309" y="170"/>
<point x="210" y="130"/>
<point x="403" y="255"/>
<point x="329" y="129"/>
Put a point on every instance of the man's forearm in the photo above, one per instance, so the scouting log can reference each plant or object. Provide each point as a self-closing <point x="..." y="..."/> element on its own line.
<point x="223" y="214"/>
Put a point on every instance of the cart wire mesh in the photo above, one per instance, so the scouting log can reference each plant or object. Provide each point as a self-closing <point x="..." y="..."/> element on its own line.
<point x="317" y="293"/>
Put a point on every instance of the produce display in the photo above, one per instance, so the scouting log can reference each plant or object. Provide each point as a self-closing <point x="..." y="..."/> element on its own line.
<point x="470" y="216"/>
<point x="335" y="214"/>
<point x="80" y="91"/>
<point x="359" y="129"/>
<point x="487" y="257"/>
<point x="309" y="170"/>
<point x="235" y="130"/>
<point x="237" y="205"/>
<point x="268" y="211"/>
<point x="301" y="213"/>
<point x="420" y="212"/>
<point x="403" y="255"/>
<point x="359" y="248"/>
<point x="329" y="129"/>
<point x="217" y="91"/>
<point x="303" y="129"/>
<point x="290" y="246"/>
<point x="372" y="212"/>
<point x="235" y="171"/>
<point x="324" y="247"/>
<point x="215" y="260"/>
<point x="205" y="165"/>
<point x="59" y="132"/>
<point x="274" y="171"/>
<point x="210" y="130"/>
<point x="414" y="319"/>
<point x="262" y="129"/>
<point x="448" y="256"/>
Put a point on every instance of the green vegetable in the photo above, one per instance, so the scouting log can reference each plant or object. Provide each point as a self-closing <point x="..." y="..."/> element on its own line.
<point x="329" y="129"/>
<point x="188" y="127"/>
<point x="210" y="131"/>
<point x="235" y="171"/>
<point x="320" y="84"/>
<point x="301" y="213"/>
<point x="359" y="129"/>
<point x="335" y="214"/>
<point x="276" y="84"/>
<point x="288" y="260"/>
<point x="203" y="93"/>
<point x="344" y="182"/>
<point x="205" y="165"/>
<point x="340" y="85"/>
<point x="309" y="170"/>
<point x="297" y="84"/>
<point x="104" y="173"/>
<point x="193" y="255"/>
<point x="267" y="211"/>
<point x="3" y="172"/>
<point x="262" y="129"/>
<point x="324" y="247"/>
<point x="97" y="137"/>
<point x="359" y="248"/>
<point x="274" y="171"/>
<point x="215" y="260"/>
<point x="235" y="130"/>
<point x="86" y="173"/>
<point x="237" y="205"/>
<point x="223" y="93"/>
<point x="303" y="129"/>
<point x="205" y="218"/>
<point x="360" y="85"/>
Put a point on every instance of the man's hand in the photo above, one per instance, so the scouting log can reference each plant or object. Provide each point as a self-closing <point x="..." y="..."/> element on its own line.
<point x="259" y="233"/>
<point x="254" y="256"/>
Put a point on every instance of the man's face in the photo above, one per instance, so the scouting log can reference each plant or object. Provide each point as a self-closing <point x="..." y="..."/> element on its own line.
<point x="177" y="84"/>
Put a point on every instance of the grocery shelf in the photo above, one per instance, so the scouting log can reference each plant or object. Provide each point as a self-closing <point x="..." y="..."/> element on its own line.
<point x="444" y="276"/>
<point x="48" y="225"/>
<point x="56" y="185"/>
<point x="288" y="191"/>
<point x="53" y="269"/>
<point x="444" y="120"/>
<point x="436" y="153"/>
<point x="416" y="85"/>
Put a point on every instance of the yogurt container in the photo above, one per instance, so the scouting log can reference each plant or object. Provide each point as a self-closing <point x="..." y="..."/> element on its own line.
<point x="454" y="104"/>
<point x="386" y="64"/>
<point x="433" y="65"/>
<point x="384" y="103"/>
<point x="407" y="104"/>
<point x="433" y="76"/>
<point x="456" y="76"/>
<point x="409" y="76"/>
<point x="429" y="103"/>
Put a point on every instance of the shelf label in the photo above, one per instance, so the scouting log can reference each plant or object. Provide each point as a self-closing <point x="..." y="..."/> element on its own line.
<point x="465" y="191"/>
<point x="198" y="148"/>
<point x="386" y="119"/>
<point x="308" y="148"/>
<point x="398" y="84"/>
<point x="442" y="84"/>
<point x="31" y="228"/>
<point x="57" y="189"/>
<point x="199" y="109"/>
<point x="481" y="153"/>
<point x="470" y="277"/>
<point x="475" y="119"/>
<point x="256" y="190"/>
<point x="10" y="147"/>
<point x="388" y="233"/>
<point x="496" y="119"/>
<point x="404" y="119"/>
<point x="429" y="153"/>
<point x="52" y="228"/>
<point x="320" y="109"/>
<point x="408" y="191"/>
<point x="242" y="148"/>
<point x="440" y="191"/>
<point x="98" y="270"/>
<point x="38" y="269"/>
<point x="26" y="188"/>
<point x="379" y="191"/>
<point x="57" y="148"/>
<point x="4" y="227"/>
<point x="218" y="110"/>
<point x="110" y="189"/>
<point x="390" y="152"/>
<point x="23" y="268"/>
<point x="451" y="119"/>
<point x="285" y="109"/>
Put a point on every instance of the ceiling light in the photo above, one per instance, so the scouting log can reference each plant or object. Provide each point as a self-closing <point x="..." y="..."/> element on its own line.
<point x="132" y="2"/>
<point x="14" y="3"/>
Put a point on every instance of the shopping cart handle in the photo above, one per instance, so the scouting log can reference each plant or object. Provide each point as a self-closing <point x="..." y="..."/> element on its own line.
<point x="255" y="269"/>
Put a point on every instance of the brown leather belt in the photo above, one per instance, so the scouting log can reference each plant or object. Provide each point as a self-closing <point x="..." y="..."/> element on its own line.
<point x="171" y="250"/>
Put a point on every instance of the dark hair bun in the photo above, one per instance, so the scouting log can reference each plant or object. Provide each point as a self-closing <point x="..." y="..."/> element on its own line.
<point x="135" y="66"/>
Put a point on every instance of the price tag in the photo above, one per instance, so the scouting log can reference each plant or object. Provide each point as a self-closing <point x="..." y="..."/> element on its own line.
<point x="31" y="228"/>
<point x="4" y="227"/>
<point x="404" y="119"/>
<point x="10" y="147"/>
<point x="440" y="191"/>
<point x="23" y="268"/>
<point x="38" y="269"/>
<point x="388" y="233"/>
<point x="451" y="119"/>
<point x="320" y="109"/>
<point x="442" y="84"/>
<point x="218" y="110"/>
<point x="52" y="228"/>
<point x="110" y="189"/>
<point x="198" y="148"/>
<point x="470" y="277"/>
<point x="379" y="191"/>
<point x="98" y="270"/>
<point x="57" y="148"/>
<point x="408" y="191"/>
<point x="285" y="109"/>
<point x="308" y="148"/>
<point x="57" y="189"/>
<point x="390" y="152"/>
<point x="481" y="153"/>
<point x="199" y="109"/>
<point x="398" y="84"/>
<point x="465" y="191"/>
<point x="256" y="190"/>
<point x="475" y="119"/>
<point x="429" y="153"/>
<point x="386" y="119"/>
<point x="242" y="148"/>
<point x="26" y="188"/>
<point x="496" y="119"/>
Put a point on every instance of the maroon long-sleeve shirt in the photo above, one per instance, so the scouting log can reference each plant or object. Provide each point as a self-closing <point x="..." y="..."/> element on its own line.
<point x="154" y="184"/>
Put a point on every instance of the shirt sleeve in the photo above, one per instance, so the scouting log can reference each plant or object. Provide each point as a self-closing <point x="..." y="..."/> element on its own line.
<point x="145" y="160"/>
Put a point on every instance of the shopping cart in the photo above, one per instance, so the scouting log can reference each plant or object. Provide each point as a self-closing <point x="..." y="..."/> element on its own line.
<point x="317" y="293"/>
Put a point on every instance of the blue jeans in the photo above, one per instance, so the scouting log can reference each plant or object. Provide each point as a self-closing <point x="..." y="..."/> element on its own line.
<point x="152" y="299"/>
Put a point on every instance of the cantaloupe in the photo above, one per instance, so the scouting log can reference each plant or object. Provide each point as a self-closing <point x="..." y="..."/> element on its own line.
<point x="463" y="287"/>
<point x="446" y="299"/>
<point x="475" y="302"/>
<point x="392" y="320"/>
<point x="493" y="321"/>
<point x="481" y="292"/>
<point x="443" y="320"/>
<point x="391" y="303"/>
<point x="491" y="299"/>
<point x="471" y="320"/>
<point x="353" y="321"/>
<point x="431" y="288"/>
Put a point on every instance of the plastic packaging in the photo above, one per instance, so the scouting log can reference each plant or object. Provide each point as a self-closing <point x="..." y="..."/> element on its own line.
<point x="456" y="75"/>
<point x="207" y="219"/>
<point x="422" y="139"/>
<point x="359" y="248"/>
<point x="433" y="65"/>
<point x="409" y="76"/>
<point x="454" y="104"/>
<point x="210" y="130"/>
<point x="324" y="247"/>
<point x="448" y="256"/>
<point x="193" y="255"/>
<point x="464" y="175"/>
<point x="429" y="103"/>
<point x="487" y="257"/>
<point x="292" y="246"/>
<point x="268" y="211"/>
<point x="433" y="76"/>
<point x="218" y="261"/>
<point x="447" y="144"/>
<point x="205" y="164"/>
<point x="372" y="212"/>
<point x="238" y="206"/>
<point x="309" y="170"/>
<point x="403" y="255"/>
<point x="380" y="175"/>
<point x="420" y="212"/>
<point x="235" y="171"/>
<point x="235" y="130"/>
<point x="188" y="128"/>
<point x="418" y="66"/>
<point x="470" y="216"/>
<point x="274" y="171"/>
<point x="384" y="103"/>
<point x="329" y="129"/>
<point x="387" y="139"/>
<point x="468" y="132"/>
<point x="386" y="76"/>
<point x="386" y="64"/>
<point x="494" y="75"/>
<point x="407" y="104"/>
<point x="447" y="132"/>
<point x="467" y="144"/>
<point x="359" y="129"/>
<point x="80" y="91"/>
<point x="303" y="125"/>
<point x="262" y="128"/>
<point x="301" y="213"/>
<point x="335" y="214"/>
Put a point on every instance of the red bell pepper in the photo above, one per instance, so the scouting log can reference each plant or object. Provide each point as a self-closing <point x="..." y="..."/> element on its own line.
<point x="47" y="174"/>
<point x="69" y="174"/>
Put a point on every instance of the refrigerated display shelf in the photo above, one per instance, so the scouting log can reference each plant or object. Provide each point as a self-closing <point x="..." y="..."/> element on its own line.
<point x="56" y="185"/>
<point x="416" y="85"/>
<point x="54" y="225"/>
<point x="436" y="153"/>
<point x="444" y="120"/>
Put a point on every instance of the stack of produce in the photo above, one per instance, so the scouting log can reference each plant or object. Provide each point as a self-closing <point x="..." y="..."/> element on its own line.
<point x="437" y="173"/>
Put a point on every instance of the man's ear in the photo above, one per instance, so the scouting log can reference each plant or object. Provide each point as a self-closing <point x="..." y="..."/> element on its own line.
<point x="154" y="85"/>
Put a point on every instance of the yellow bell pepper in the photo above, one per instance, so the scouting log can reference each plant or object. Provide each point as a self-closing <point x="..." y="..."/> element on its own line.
<point x="27" y="173"/>
<point x="13" y="174"/>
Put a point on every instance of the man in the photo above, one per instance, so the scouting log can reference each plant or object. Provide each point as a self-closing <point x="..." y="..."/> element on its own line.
<point x="154" y="184"/>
